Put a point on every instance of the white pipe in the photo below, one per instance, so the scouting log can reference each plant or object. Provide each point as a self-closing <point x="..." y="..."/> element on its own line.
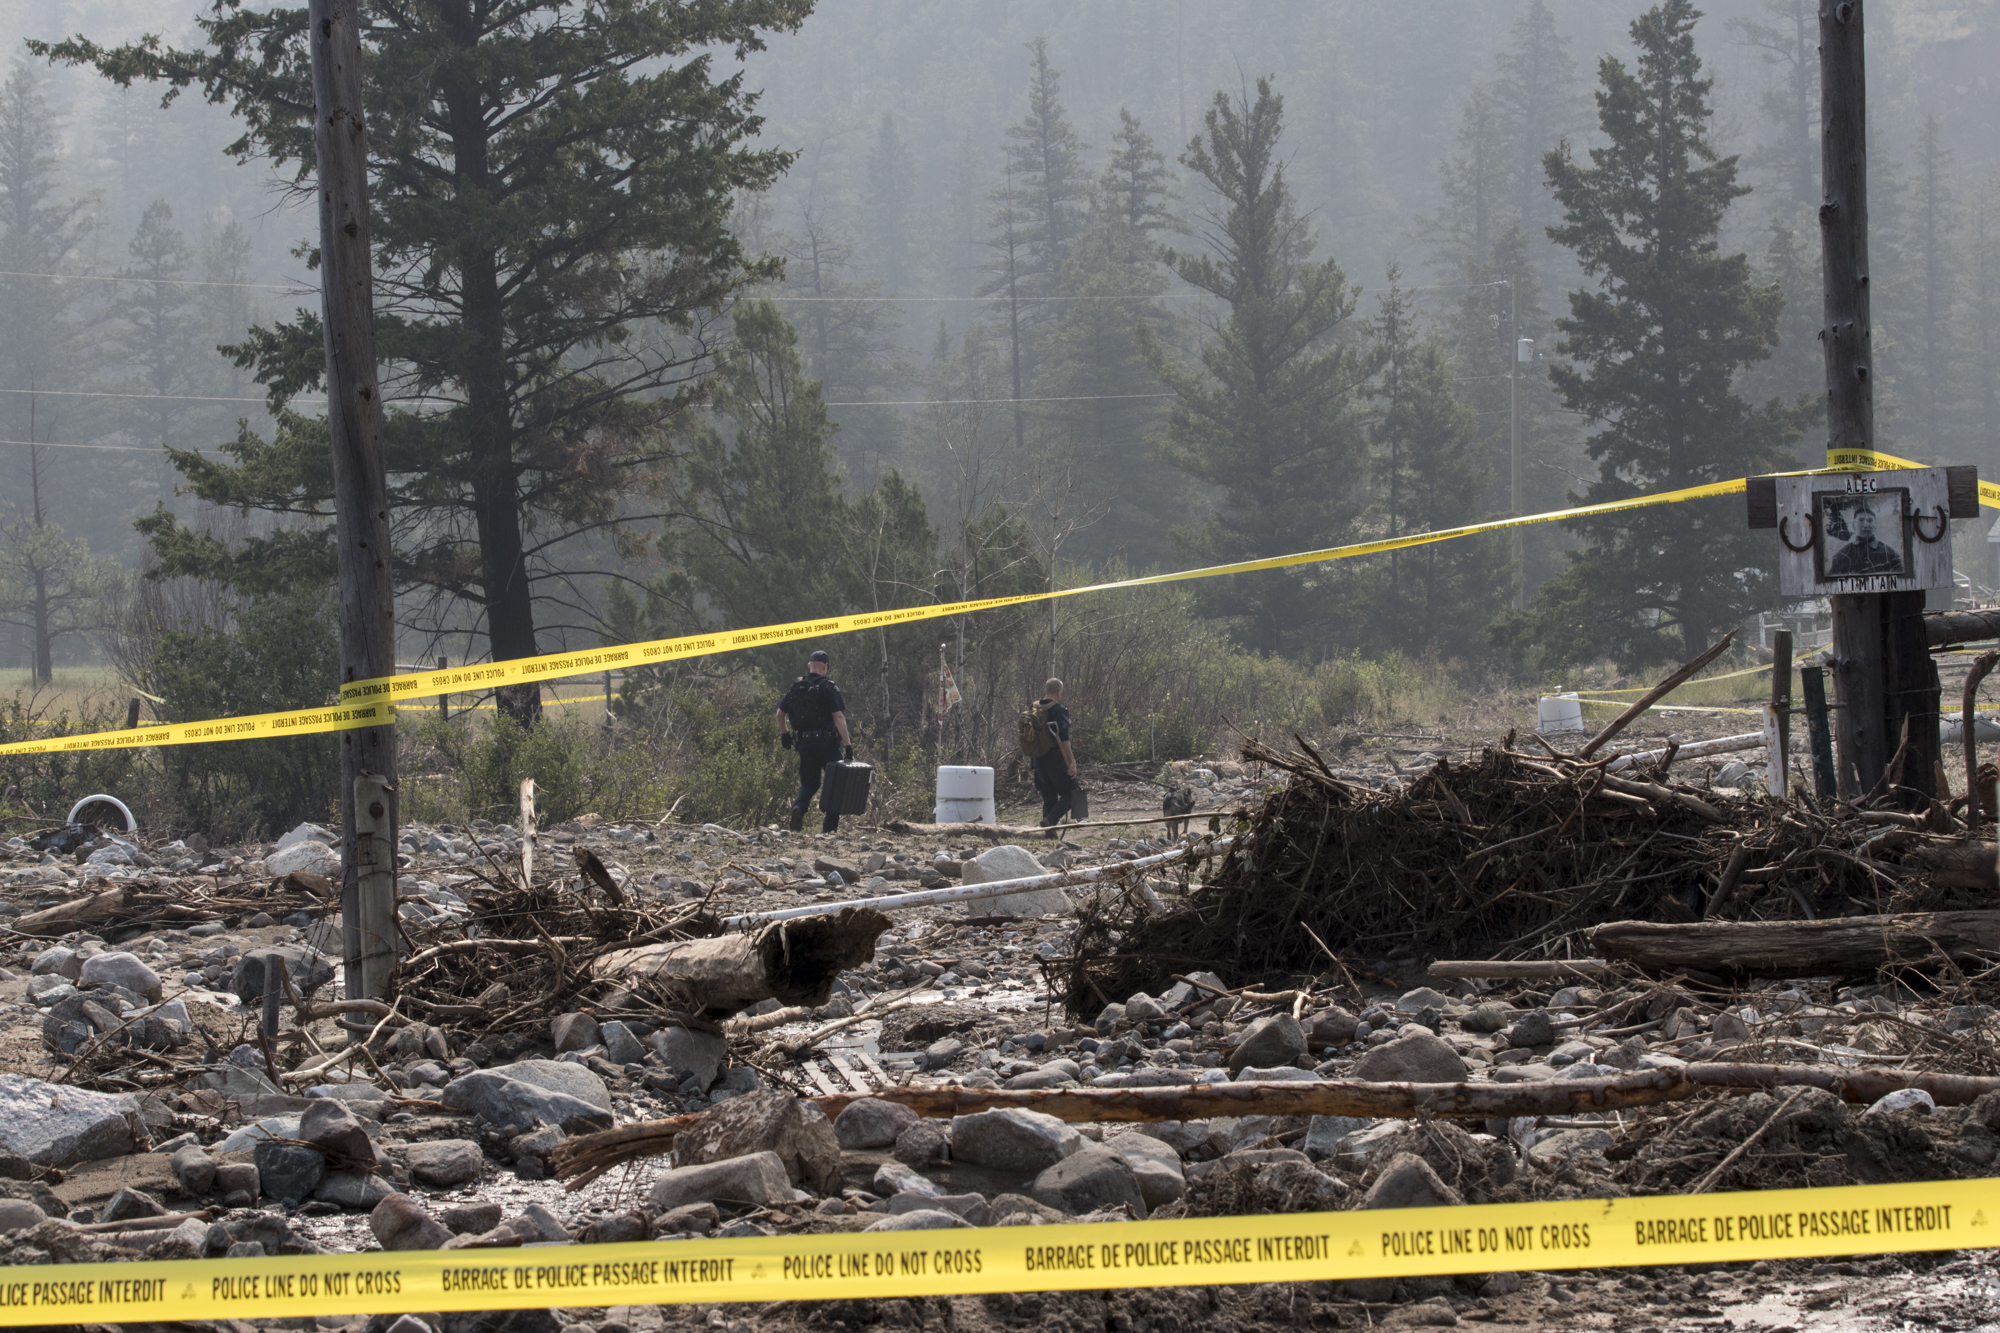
<point x="1749" y="740"/>
<point x="998" y="889"/>
<point x="131" y="824"/>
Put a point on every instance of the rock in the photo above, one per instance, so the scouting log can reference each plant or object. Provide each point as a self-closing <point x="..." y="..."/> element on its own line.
<point x="1407" y="1181"/>
<point x="470" y="1219"/>
<point x="58" y="962"/>
<point x="54" y="1126"/>
<point x="1018" y="1210"/>
<point x="307" y="971"/>
<point x="940" y="1054"/>
<point x="893" y="1178"/>
<point x="1417" y="1058"/>
<point x="620" y="1046"/>
<point x="923" y="1219"/>
<point x="286" y="1173"/>
<point x="871" y="1123"/>
<point x="308" y="857"/>
<point x="333" y="1128"/>
<point x="353" y="1189"/>
<point x="1010" y="862"/>
<point x="1143" y="1008"/>
<point x="1282" y="1074"/>
<point x="1154" y="1165"/>
<point x="573" y="1032"/>
<point x="1903" y="1099"/>
<point x="194" y="1171"/>
<point x="1181" y="995"/>
<point x="1324" y="1134"/>
<point x="1334" y="1027"/>
<point x="1729" y="1026"/>
<point x="922" y="1144"/>
<point x="847" y="870"/>
<point x="617" y="1228"/>
<point x="237" y="1183"/>
<point x="19" y="1215"/>
<point x="796" y="1132"/>
<point x="1488" y="1017"/>
<point x="757" y="1178"/>
<point x="306" y="832"/>
<point x="1012" y="1140"/>
<point x="1273" y="1040"/>
<point x="126" y="1204"/>
<point x="123" y="969"/>
<point x="562" y="1076"/>
<point x="1108" y="1019"/>
<point x="500" y="1100"/>
<point x="1534" y="1028"/>
<point x="400" y="1223"/>
<point x="696" y="1055"/>
<point x="1571" y="1143"/>
<point x="442" y="1163"/>
<point x="1415" y="1001"/>
<point x="250" y="1135"/>
<point x="972" y="1207"/>
<point x="1090" y="1178"/>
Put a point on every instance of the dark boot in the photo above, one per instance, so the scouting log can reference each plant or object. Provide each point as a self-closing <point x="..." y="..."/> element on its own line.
<point x="798" y="819"/>
<point x="830" y="824"/>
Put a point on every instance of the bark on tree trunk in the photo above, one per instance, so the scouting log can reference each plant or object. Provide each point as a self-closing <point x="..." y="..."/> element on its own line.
<point x="1846" y="945"/>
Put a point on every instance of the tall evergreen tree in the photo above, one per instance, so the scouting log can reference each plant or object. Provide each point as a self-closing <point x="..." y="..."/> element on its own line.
<point x="1654" y="347"/>
<point x="1271" y="419"/>
<point x="1787" y="35"/>
<point x="892" y="184"/>
<point x="158" y="327"/>
<point x="847" y="336"/>
<point x="1982" y="316"/>
<point x="1537" y="100"/>
<point x="551" y="189"/>
<point x="1934" y="275"/>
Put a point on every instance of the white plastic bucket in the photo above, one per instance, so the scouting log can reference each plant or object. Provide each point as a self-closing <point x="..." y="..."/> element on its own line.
<point x="1558" y="712"/>
<point x="965" y="795"/>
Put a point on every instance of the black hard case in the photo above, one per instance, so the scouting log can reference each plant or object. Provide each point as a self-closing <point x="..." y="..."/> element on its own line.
<point x="844" y="790"/>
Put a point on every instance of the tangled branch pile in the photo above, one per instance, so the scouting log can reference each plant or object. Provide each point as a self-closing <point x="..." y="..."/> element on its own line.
<point x="1502" y="857"/>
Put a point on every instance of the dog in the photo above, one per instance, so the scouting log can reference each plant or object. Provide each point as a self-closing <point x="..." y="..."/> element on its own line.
<point x="1177" y="803"/>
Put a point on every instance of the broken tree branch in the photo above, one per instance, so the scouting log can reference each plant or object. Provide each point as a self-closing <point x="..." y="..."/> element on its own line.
<point x="1680" y="677"/>
<point x="1848" y="944"/>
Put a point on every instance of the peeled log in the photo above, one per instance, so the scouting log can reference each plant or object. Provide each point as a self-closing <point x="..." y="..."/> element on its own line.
<point x="1840" y="945"/>
<point x="1959" y="865"/>
<point x="794" y="962"/>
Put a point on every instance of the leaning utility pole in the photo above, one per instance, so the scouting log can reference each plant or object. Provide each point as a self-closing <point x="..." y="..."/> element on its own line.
<point x="360" y="490"/>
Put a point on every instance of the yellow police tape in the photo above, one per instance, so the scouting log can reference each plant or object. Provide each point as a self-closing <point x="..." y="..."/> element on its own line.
<point x="361" y="698"/>
<point x="1295" y="1247"/>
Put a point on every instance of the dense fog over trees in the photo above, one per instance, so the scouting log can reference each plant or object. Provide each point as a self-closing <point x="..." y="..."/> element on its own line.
<point x="1054" y="290"/>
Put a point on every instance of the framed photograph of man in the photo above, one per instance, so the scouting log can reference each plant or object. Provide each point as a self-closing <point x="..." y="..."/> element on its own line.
<point x="1861" y="532"/>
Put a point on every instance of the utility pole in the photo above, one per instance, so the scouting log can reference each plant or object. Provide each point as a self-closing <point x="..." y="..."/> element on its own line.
<point x="360" y="489"/>
<point x="1885" y="684"/>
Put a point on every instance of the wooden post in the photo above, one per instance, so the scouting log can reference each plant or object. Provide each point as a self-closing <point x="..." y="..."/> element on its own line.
<point x="528" y="831"/>
<point x="1778" y="716"/>
<point x="1819" y="732"/>
<point x="354" y="424"/>
<point x="444" y="700"/>
<point x="375" y="862"/>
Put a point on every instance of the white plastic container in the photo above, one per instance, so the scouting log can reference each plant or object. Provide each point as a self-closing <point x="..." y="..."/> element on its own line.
<point x="965" y="796"/>
<point x="1558" y="712"/>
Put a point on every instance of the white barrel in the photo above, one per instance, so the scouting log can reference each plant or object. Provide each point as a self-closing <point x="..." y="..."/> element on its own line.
<point x="1559" y="712"/>
<point x="965" y="795"/>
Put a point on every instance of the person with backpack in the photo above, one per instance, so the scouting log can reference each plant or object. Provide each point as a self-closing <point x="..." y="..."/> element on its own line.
<point x="812" y="718"/>
<point x="1044" y="737"/>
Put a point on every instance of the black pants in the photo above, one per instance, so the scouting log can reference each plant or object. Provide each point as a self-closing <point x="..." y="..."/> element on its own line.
<point x="1057" y="787"/>
<point x="816" y="751"/>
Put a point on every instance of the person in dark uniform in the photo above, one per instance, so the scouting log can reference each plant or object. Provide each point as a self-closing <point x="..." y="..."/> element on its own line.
<point x="812" y="718"/>
<point x="1055" y="772"/>
<point x="1864" y="555"/>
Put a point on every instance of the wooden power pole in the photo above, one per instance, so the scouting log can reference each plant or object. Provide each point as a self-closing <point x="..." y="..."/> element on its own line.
<point x="1884" y="681"/>
<point x="360" y="485"/>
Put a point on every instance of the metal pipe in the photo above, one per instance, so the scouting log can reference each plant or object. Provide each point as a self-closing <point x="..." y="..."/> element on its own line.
<point x="998" y="889"/>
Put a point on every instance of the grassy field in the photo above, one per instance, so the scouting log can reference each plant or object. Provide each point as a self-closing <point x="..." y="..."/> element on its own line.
<point x="77" y="691"/>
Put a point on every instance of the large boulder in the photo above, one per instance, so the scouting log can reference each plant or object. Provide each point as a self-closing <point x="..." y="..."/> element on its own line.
<point x="122" y="969"/>
<point x="1407" y="1181"/>
<point x="288" y="1173"/>
<point x="1090" y="1178"/>
<point x="1010" y="862"/>
<point x="400" y="1223"/>
<point x="1417" y="1058"/>
<point x="307" y="971"/>
<point x="691" y="1054"/>
<point x="53" y="1126"/>
<point x="313" y="858"/>
<point x="1273" y="1040"/>
<point x="442" y="1163"/>
<point x="870" y="1122"/>
<point x="757" y="1178"/>
<point x="499" y="1100"/>
<point x="1155" y="1166"/>
<point x="1011" y="1139"/>
<point x="562" y="1076"/>
<point x="769" y="1121"/>
<point x="334" y="1129"/>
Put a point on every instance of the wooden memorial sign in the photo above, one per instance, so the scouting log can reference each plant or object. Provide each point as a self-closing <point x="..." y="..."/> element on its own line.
<point x="1860" y="532"/>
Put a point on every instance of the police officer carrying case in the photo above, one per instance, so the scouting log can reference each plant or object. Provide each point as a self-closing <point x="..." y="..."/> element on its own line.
<point x="845" y="788"/>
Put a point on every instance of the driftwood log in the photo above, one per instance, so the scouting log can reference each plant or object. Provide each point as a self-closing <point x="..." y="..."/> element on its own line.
<point x="794" y="962"/>
<point x="581" y="1160"/>
<point x="1959" y="865"/>
<point x="1839" y="945"/>
<point x="1525" y="968"/>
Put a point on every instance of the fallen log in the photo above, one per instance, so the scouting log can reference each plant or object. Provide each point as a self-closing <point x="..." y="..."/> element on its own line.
<point x="1959" y="865"/>
<point x="1943" y="629"/>
<point x="996" y="832"/>
<point x="792" y="961"/>
<point x="1521" y="968"/>
<point x="579" y="1161"/>
<point x="1838" y="945"/>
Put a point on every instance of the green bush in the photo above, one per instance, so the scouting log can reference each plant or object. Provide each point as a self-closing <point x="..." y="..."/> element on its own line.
<point x="48" y="784"/>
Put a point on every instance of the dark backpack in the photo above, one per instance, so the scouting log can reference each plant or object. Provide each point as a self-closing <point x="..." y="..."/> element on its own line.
<point x="1037" y="733"/>
<point x="808" y="703"/>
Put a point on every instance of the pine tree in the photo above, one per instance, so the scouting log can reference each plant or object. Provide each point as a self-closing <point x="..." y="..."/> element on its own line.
<point x="1654" y="348"/>
<point x="158" y="333"/>
<point x="1537" y="100"/>
<point x="551" y="190"/>
<point x="1982" y="317"/>
<point x="1788" y="37"/>
<point x="848" y="340"/>
<point x="892" y="184"/>
<point x="1271" y="419"/>
<point x="1934" y="269"/>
